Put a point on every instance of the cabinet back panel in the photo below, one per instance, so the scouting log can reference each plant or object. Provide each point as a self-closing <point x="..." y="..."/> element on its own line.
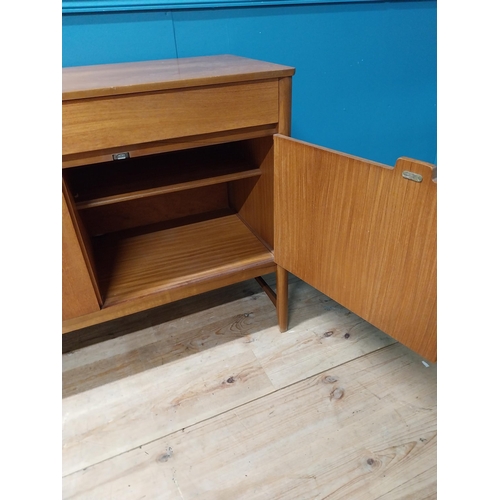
<point x="152" y="210"/>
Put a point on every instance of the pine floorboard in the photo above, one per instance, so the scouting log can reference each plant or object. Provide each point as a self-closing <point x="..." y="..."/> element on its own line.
<point x="206" y="399"/>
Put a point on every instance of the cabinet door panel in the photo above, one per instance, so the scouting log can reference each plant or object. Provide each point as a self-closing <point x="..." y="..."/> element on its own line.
<point x="78" y="293"/>
<point x="363" y="234"/>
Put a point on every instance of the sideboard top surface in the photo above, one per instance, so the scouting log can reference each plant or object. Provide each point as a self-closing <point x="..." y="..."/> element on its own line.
<point x="148" y="76"/>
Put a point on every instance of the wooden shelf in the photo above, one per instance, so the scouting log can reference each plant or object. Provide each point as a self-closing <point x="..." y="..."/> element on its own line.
<point x="181" y="257"/>
<point x="125" y="180"/>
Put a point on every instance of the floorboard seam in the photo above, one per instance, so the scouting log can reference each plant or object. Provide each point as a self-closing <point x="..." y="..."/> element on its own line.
<point x="231" y="409"/>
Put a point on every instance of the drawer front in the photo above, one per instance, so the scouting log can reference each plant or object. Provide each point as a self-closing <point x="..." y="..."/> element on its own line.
<point x="121" y="121"/>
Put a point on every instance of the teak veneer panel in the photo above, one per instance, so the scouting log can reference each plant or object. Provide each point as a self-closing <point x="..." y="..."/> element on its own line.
<point x="78" y="296"/>
<point x="121" y="121"/>
<point x="253" y="197"/>
<point x="362" y="234"/>
<point x="150" y="76"/>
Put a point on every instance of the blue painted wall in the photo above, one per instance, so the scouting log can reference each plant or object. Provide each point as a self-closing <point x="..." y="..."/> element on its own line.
<point x="365" y="78"/>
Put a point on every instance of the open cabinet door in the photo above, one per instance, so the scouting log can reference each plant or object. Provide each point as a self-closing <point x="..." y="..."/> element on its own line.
<point x="78" y="292"/>
<point x="362" y="233"/>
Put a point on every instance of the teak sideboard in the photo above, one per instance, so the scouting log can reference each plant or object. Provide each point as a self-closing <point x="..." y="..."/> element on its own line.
<point x="179" y="177"/>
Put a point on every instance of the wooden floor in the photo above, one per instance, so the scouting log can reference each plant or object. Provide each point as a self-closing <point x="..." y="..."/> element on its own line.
<point x="205" y="399"/>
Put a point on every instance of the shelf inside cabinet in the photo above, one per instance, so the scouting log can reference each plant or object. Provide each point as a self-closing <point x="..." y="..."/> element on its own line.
<point x="141" y="177"/>
<point x="132" y="267"/>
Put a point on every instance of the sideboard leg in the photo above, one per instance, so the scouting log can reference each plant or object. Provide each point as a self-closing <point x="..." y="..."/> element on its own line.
<point x="282" y="297"/>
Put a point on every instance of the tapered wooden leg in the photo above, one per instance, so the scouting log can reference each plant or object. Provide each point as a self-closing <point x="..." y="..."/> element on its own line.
<point x="282" y="298"/>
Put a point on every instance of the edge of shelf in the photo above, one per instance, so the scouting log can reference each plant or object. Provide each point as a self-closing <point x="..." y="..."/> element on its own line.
<point x="183" y="186"/>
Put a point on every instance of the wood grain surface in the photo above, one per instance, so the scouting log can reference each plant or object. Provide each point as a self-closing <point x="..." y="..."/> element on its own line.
<point x="121" y="121"/>
<point x="363" y="234"/>
<point x="216" y="403"/>
<point x="148" y="76"/>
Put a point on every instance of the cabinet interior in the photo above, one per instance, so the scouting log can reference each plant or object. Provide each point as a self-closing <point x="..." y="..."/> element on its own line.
<point x="159" y="222"/>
